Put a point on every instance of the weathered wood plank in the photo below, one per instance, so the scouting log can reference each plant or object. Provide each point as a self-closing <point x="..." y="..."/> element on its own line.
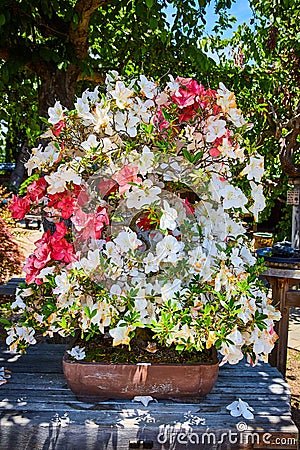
<point x="140" y="414"/>
<point x="293" y="298"/>
<point x="38" y="411"/>
<point x="37" y="395"/>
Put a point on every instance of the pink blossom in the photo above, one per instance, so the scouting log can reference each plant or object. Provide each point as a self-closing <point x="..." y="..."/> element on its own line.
<point x="49" y="247"/>
<point x="192" y="85"/>
<point x="79" y="219"/>
<point x="214" y="152"/>
<point x="58" y="127"/>
<point x="188" y="207"/>
<point x="19" y="206"/>
<point x="183" y="98"/>
<point x="271" y="330"/>
<point x="160" y="121"/>
<point x="88" y="229"/>
<point x="90" y="225"/>
<point x="37" y="189"/>
<point x="43" y="255"/>
<point x="128" y="174"/>
<point x="30" y="270"/>
<point x="101" y="219"/>
<point x="106" y="187"/>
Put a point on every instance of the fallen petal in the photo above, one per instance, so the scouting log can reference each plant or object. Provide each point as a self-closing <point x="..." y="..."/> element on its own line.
<point x="144" y="399"/>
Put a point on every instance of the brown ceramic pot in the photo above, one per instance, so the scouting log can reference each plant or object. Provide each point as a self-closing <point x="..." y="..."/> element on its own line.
<point x="93" y="382"/>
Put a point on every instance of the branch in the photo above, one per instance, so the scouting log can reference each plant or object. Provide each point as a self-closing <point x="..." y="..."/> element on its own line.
<point x="38" y="67"/>
<point x="4" y="54"/>
<point x="288" y="146"/>
<point x="79" y="35"/>
<point x="274" y="122"/>
<point x="96" y="77"/>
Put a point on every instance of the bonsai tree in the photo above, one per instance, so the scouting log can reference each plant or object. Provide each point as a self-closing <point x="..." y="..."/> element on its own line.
<point x="145" y="251"/>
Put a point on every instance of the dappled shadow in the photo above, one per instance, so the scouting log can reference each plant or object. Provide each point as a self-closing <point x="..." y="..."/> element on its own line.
<point x="295" y="317"/>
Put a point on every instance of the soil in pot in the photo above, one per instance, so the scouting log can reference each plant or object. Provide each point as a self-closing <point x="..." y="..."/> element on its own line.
<point x="162" y="372"/>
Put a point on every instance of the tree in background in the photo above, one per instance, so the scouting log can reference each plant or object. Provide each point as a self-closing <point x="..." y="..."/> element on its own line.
<point x="48" y="50"/>
<point x="264" y="70"/>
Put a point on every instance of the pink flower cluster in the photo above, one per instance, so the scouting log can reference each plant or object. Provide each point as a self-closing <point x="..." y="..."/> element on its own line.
<point x="190" y="101"/>
<point x="65" y="202"/>
<point x="127" y="175"/>
<point x="20" y="206"/>
<point x="88" y="224"/>
<point x="49" y="247"/>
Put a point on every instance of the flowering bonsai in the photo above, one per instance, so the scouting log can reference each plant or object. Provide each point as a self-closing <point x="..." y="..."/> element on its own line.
<point x="140" y="189"/>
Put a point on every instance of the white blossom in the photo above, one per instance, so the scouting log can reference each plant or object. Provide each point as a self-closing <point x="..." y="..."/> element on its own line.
<point x="58" y="180"/>
<point x="56" y="113"/>
<point x="240" y="408"/>
<point x="77" y="353"/>
<point x="168" y="218"/>
<point x="255" y="169"/>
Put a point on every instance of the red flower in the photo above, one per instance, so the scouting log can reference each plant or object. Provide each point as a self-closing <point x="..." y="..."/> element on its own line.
<point x="66" y="205"/>
<point x="19" y="206"/>
<point x="64" y="201"/>
<point x="54" y="247"/>
<point x="37" y="189"/>
<point x="62" y="250"/>
<point x="145" y="223"/>
<point x="58" y="127"/>
<point x="60" y="231"/>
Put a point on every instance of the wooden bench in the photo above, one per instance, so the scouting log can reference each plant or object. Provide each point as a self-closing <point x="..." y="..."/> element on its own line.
<point x="8" y="289"/>
<point x="33" y="218"/>
<point x="38" y="411"/>
<point x="284" y="298"/>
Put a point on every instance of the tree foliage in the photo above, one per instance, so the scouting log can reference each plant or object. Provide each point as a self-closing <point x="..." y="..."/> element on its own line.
<point x="50" y="49"/>
<point x="263" y="68"/>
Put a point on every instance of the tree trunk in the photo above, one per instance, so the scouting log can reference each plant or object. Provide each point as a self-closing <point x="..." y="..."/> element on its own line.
<point x="18" y="174"/>
<point x="55" y="85"/>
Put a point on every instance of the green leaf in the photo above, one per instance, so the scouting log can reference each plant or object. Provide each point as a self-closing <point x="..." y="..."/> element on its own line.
<point x="5" y="74"/>
<point x="197" y="156"/>
<point x="94" y="312"/>
<point x="149" y="3"/>
<point x="87" y="311"/>
<point x="5" y="322"/>
<point x="63" y="323"/>
<point x="2" y="19"/>
<point x="75" y="21"/>
<point x="188" y="155"/>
